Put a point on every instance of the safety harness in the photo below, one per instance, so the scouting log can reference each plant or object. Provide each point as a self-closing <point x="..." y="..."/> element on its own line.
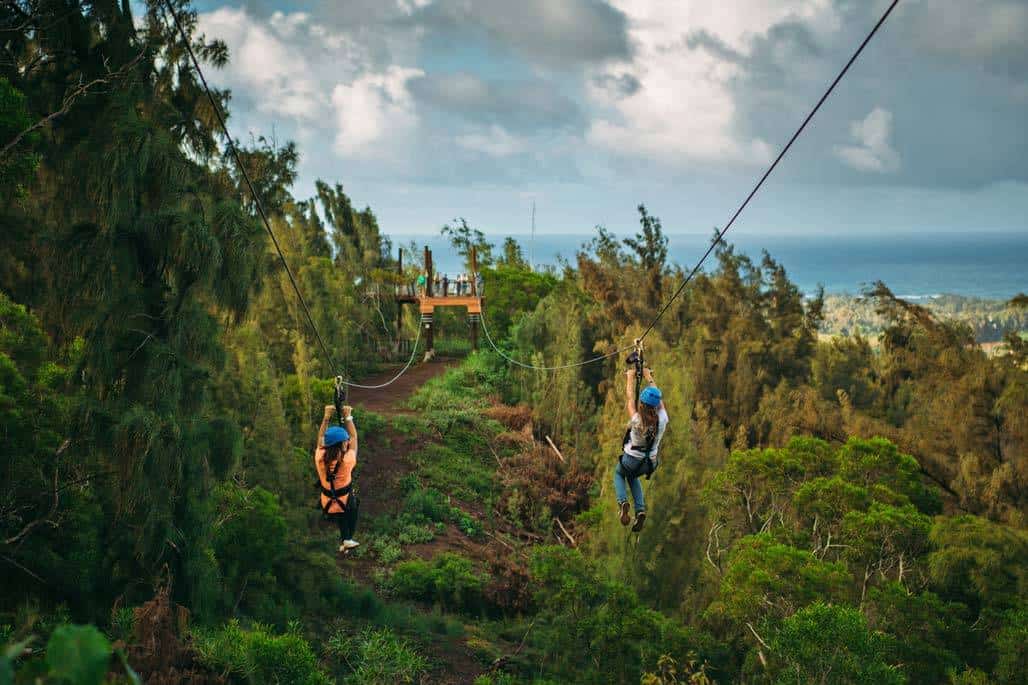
<point x="634" y="467"/>
<point x="334" y="494"/>
<point x="646" y="465"/>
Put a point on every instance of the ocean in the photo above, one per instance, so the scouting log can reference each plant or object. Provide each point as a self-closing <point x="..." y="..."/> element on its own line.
<point x="986" y="265"/>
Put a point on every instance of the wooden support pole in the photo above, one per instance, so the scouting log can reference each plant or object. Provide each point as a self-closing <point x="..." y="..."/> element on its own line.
<point x="428" y="271"/>
<point x="403" y="291"/>
<point x="473" y="277"/>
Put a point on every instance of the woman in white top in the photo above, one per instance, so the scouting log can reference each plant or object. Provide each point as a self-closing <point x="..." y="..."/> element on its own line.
<point x="646" y="427"/>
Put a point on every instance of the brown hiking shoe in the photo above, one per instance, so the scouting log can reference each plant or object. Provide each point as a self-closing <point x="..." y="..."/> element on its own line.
<point x="640" y="519"/>
<point x="625" y="516"/>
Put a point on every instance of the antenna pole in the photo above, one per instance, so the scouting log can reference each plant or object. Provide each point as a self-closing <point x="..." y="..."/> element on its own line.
<point x="531" y="243"/>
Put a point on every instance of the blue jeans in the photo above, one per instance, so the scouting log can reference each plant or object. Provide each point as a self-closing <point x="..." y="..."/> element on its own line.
<point x="621" y="489"/>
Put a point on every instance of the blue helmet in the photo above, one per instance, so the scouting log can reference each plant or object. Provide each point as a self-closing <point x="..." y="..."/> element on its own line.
<point x="650" y="396"/>
<point x="336" y="435"/>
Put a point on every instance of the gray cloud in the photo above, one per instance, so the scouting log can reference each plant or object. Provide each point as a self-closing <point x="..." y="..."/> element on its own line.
<point x="953" y="74"/>
<point x="564" y="33"/>
<point x="986" y="33"/>
<point x="525" y="106"/>
<point x="622" y="85"/>
<point x="950" y="92"/>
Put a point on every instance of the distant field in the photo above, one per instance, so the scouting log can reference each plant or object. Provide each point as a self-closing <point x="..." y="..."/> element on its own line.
<point x="991" y="320"/>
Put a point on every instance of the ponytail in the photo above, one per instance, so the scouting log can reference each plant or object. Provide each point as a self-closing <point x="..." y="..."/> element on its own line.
<point x="332" y="455"/>
<point x="650" y="420"/>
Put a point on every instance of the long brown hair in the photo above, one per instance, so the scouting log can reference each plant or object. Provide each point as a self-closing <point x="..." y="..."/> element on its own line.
<point x="650" y="420"/>
<point x="332" y="456"/>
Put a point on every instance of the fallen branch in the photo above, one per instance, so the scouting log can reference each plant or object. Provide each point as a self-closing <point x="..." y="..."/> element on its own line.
<point x="760" y="652"/>
<point x="69" y="100"/>
<point x="559" y="455"/>
<point x="30" y="526"/>
<point x="565" y="531"/>
<point x="495" y="455"/>
<point x="506" y="544"/>
<point x="19" y="566"/>
<point x="757" y="635"/>
<point x="501" y="661"/>
<point x="712" y="539"/>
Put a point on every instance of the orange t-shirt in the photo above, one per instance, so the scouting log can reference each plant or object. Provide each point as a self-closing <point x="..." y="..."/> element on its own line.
<point x="343" y="476"/>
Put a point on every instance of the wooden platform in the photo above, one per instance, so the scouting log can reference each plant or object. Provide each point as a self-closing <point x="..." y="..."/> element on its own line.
<point x="427" y="305"/>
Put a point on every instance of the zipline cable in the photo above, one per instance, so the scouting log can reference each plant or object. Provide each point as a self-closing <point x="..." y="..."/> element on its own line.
<point x="485" y="329"/>
<point x="249" y="184"/>
<point x="713" y="245"/>
<point x="166" y="6"/>
<point x="721" y="234"/>
<point x="413" y="353"/>
<point x="803" y="126"/>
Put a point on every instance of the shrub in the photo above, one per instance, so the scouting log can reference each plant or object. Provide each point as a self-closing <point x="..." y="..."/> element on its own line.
<point x="1011" y="643"/>
<point x="431" y="506"/>
<point x="460" y="470"/>
<point x="449" y="580"/>
<point x="582" y="614"/>
<point x="509" y="588"/>
<point x="123" y="623"/>
<point x="386" y="550"/>
<point x="538" y="488"/>
<point x="825" y="643"/>
<point x="260" y="656"/>
<point x="377" y="657"/>
<point x="427" y="505"/>
<point x="75" y="655"/>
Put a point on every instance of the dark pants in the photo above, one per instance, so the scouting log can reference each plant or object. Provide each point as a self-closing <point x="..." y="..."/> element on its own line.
<point x="347" y="520"/>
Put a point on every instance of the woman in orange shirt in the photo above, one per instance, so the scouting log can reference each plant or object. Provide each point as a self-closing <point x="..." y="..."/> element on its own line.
<point x="335" y="458"/>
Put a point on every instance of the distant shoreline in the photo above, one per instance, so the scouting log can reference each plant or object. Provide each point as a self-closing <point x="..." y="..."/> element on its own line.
<point x="991" y="266"/>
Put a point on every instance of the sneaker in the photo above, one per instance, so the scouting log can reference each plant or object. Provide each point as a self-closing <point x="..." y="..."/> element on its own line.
<point x="348" y="545"/>
<point x="625" y="517"/>
<point x="640" y="519"/>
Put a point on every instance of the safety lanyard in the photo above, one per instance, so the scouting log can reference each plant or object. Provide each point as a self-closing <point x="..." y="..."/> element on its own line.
<point x="339" y="399"/>
<point x="636" y="358"/>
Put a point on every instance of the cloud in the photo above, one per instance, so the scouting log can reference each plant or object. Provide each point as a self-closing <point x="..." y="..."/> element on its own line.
<point x="372" y="108"/>
<point x="262" y="62"/>
<point x="872" y="151"/>
<point x="566" y="33"/>
<point x="437" y="90"/>
<point x="990" y="33"/>
<point x="527" y="106"/>
<point x="494" y="143"/>
<point x="314" y="82"/>
<point x="619" y="86"/>
<point x="680" y="106"/>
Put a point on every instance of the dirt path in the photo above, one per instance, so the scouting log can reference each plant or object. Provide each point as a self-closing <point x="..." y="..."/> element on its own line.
<point x="388" y="400"/>
<point x="386" y="460"/>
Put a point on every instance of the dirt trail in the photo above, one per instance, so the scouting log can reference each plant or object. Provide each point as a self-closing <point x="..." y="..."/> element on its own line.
<point x="384" y="456"/>
<point x="389" y="400"/>
<point x="385" y="460"/>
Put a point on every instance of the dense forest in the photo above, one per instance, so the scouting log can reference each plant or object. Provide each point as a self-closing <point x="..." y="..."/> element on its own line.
<point x="844" y="510"/>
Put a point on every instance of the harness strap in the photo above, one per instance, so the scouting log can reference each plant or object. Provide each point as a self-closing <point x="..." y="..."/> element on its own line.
<point x="646" y="449"/>
<point x="341" y="492"/>
<point x="334" y="494"/>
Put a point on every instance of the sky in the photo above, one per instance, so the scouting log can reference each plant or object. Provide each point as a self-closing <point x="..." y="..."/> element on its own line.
<point x="426" y="110"/>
